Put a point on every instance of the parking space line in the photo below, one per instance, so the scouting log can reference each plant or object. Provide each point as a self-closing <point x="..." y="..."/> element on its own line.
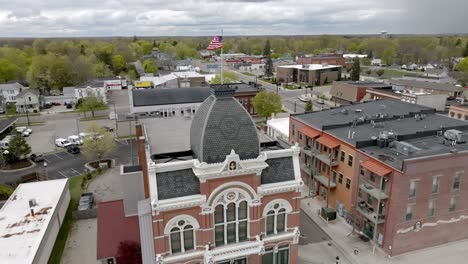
<point x="77" y="173"/>
<point x="58" y="156"/>
<point x="61" y="173"/>
<point x="48" y="161"/>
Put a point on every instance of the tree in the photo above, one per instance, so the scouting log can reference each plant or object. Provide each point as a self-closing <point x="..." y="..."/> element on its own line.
<point x="18" y="148"/>
<point x="465" y="51"/>
<point x="388" y="55"/>
<point x="267" y="103"/>
<point x="380" y="72"/>
<point x="267" y="49"/>
<point x="99" y="144"/>
<point x="129" y="252"/>
<point x="309" y="106"/>
<point x="269" y="66"/>
<point x="355" y="70"/>
<point x="228" y="77"/>
<point x="150" y="66"/>
<point x="101" y="69"/>
<point x="7" y="71"/>
<point x="90" y="104"/>
<point x="118" y="63"/>
<point x="462" y="66"/>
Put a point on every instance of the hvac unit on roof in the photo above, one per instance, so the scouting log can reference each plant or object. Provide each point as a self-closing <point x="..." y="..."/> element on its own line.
<point x="456" y="135"/>
<point x="402" y="147"/>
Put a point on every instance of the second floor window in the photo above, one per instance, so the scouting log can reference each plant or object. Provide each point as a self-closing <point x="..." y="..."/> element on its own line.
<point x="456" y="181"/>
<point x="276" y="220"/>
<point x="342" y="157"/>
<point x="409" y="212"/>
<point x="350" y="160"/>
<point x="412" y="190"/>
<point x="231" y="223"/>
<point x="182" y="237"/>
<point x="435" y="184"/>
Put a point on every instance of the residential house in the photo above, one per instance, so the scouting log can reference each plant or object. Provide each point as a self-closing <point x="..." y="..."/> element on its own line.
<point x="308" y="74"/>
<point x="227" y="201"/>
<point x="28" y="100"/>
<point x="427" y="87"/>
<point x="376" y="62"/>
<point x="9" y="91"/>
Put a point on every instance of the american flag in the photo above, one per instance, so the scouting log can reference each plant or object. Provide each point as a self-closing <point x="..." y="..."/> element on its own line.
<point x="216" y="43"/>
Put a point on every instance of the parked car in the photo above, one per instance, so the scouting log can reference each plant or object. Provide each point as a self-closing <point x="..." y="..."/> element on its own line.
<point x="73" y="149"/>
<point x="320" y="101"/>
<point x="37" y="157"/>
<point x="5" y="143"/>
<point x="74" y="139"/>
<point x="305" y="98"/>
<point x="61" y="142"/>
<point x="86" y="201"/>
<point x="24" y="131"/>
<point x="2" y="111"/>
<point x="108" y="128"/>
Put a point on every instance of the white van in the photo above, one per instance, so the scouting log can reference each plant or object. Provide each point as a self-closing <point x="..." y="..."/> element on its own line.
<point x="61" y="142"/>
<point x="74" y="139"/>
<point x="4" y="143"/>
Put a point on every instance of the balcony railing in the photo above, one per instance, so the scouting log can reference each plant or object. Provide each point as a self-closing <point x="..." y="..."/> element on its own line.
<point x="323" y="157"/>
<point x="367" y="211"/>
<point x="371" y="189"/>
<point x="310" y="151"/>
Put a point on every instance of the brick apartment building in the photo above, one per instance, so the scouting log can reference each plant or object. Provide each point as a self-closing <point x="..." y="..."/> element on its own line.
<point x="223" y="201"/>
<point x="459" y="111"/>
<point x="350" y="92"/>
<point x="331" y="59"/>
<point x="395" y="169"/>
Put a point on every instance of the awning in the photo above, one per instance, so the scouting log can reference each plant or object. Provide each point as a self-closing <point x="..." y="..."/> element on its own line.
<point x="328" y="141"/>
<point x="324" y="180"/>
<point x="375" y="167"/>
<point x="310" y="132"/>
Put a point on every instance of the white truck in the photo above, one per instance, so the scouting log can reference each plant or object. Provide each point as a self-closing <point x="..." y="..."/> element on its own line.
<point x="5" y="143"/>
<point x="76" y="140"/>
<point x="61" y="142"/>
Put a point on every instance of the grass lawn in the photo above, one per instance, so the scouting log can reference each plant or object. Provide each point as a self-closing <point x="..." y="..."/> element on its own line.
<point x="5" y="191"/>
<point x="31" y="123"/>
<point x="127" y="137"/>
<point x="76" y="189"/>
<point x="248" y="73"/>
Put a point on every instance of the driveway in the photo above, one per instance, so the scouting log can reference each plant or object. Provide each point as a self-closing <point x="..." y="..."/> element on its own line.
<point x="81" y="246"/>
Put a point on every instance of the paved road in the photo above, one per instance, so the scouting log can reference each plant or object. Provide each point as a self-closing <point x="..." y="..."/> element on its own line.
<point x="64" y="165"/>
<point x="310" y="231"/>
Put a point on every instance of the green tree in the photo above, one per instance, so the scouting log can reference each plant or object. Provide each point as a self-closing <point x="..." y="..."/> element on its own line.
<point x="18" y="148"/>
<point x="50" y="72"/>
<point x="267" y="49"/>
<point x="309" y="106"/>
<point x="355" y="70"/>
<point x="91" y="104"/>
<point x="465" y="51"/>
<point x="388" y="55"/>
<point x="118" y="63"/>
<point x="267" y="103"/>
<point x="7" y="71"/>
<point x="228" y="77"/>
<point x="380" y="72"/>
<point x="150" y="66"/>
<point x="462" y="66"/>
<point x="269" y="66"/>
<point x="101" y="69"/>
<point x="99" y="144"/>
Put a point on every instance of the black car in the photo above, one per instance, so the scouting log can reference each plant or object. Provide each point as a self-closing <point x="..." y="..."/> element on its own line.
<point x="73" y="149"/>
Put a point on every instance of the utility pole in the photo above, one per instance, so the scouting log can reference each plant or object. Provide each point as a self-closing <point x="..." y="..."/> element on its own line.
<point x="131" y="141"/>
<point x="26" y="110"/>
<point x="295" y="106"/>
<point x="115" y="116"/>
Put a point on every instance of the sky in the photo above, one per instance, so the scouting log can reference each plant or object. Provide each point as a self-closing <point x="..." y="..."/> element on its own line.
<point x="80" y="18"/>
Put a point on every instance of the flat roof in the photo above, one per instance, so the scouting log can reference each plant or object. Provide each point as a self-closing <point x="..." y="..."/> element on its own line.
<point x="428" y="85"/>
<point x="367" y="84"/>
<point x="6" y="123"/>
<point x="280" y="124"/>
<point x="20" y="233"/>
<point x="172" y="134"/>
<point x="310" y="67"/>
<point x="346" y="115"/>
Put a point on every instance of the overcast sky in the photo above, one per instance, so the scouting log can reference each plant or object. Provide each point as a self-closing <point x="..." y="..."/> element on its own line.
<point x="62" y="18"/>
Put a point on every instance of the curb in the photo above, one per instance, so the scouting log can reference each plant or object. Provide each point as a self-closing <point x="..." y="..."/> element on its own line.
<point x="33" y="164"/>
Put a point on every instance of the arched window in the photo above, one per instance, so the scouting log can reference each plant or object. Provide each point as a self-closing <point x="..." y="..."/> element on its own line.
<point x="275" y="216"/>
<point x="181" y="233"/>
<point x="231" y="219"/>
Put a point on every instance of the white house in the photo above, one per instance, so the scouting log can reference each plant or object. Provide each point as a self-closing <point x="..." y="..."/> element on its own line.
<point x="30" y="221"/>
<point x="28" y="100"/>
<point x="376" y="62"/>
<point x="9" y="91"/>
<point x="98" y="92"/>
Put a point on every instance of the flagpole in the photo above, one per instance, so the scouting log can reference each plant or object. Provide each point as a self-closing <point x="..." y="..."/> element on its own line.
<point x="222" y="61"/>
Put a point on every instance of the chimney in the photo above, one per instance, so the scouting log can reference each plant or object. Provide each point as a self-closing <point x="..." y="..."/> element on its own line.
<point x="32" y="203"/>
<point x="140" y="142"/>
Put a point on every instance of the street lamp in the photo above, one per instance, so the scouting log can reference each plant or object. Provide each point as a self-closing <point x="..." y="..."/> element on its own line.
<point x="45" y="170"/>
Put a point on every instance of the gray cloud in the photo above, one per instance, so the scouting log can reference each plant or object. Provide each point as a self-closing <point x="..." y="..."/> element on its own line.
<point x="239" y="17"/>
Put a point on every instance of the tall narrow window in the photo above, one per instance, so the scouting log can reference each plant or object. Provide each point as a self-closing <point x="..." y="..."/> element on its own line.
<point x="372" y="177"/>
<point x="182" y="237"/>
<point x="175" y="240"/>
<point x="453" y="204"/>
<point x="350" y="160"/>
<point x="412" y="190"/>
<point x="435" y="184"/>
<point x="431" y="208"/>
<point x="342" y="157"/>
<point x="409" y="212"/>
<point x="275" y="219"/>
<point x="279" y="256"/>
<point x="456" y="181"/>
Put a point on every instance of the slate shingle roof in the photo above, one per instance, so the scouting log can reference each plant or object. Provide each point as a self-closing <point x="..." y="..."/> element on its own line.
<point x="278" y="170"/>
<point x="220" y="125"/>
<point x="179" y="183"/>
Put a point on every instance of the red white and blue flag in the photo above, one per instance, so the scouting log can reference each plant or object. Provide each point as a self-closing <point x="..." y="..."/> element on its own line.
<point x="216" y="43"/>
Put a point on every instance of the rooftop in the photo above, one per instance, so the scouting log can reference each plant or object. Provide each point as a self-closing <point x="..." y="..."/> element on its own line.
<point x="372" y="110"/>
<point x="367" y="84"/>
<point x="427" y="85"/>
<point x="20" y="233"/>
<point x="280" y="124"/>
<point x="310" y="67"/>
<point x="113" y="227"/>
<point x="6" y="123"/>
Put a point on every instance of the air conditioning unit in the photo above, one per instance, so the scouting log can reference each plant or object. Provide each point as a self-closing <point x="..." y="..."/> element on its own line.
<point x="456" y="135"/>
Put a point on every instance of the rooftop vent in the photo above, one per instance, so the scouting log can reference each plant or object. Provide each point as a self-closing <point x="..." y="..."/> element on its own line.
<point x="456" y="135"/>
<point x="358" y="110"/>
<point x="32" y="202"/>
<point x="344" y="111"/>
<point x="404" y="148"/>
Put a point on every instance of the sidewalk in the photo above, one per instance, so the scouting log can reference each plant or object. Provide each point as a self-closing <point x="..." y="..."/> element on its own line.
<point x="340" y="232"/>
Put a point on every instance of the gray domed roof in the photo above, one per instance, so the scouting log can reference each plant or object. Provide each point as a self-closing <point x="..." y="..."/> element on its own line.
<point x="221" y="124"/>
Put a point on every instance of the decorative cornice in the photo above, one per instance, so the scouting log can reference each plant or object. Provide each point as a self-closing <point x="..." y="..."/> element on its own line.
<point x="180" y="257"/>
<point x="178" y="203"/>
<point x="234" y="251"/>
<point x="418" y="225"/>
<point x="232" y="166"/>
<point x="173" y="166"/>
<point x="280" y="187"/>
<point x="281" y="153"/>
<point x="280" y="237"/>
